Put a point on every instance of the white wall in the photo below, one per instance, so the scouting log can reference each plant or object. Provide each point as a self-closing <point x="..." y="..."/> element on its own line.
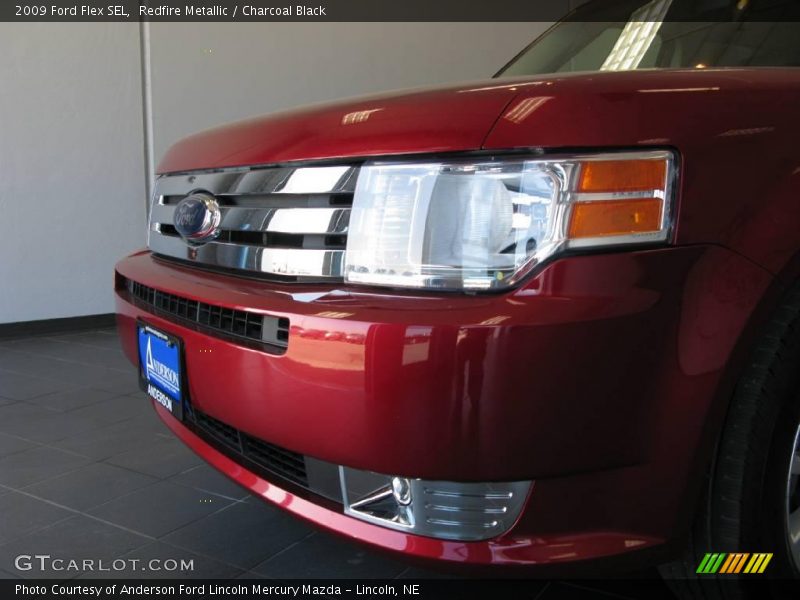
<point x="205" y="74"/>
<point x="71" y="165"/>
<point x="73" y="139"/>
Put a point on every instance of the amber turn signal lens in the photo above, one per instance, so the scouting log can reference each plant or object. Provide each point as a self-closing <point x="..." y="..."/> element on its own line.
<point x="615" y="217"/>
<point x="622" y="175"/>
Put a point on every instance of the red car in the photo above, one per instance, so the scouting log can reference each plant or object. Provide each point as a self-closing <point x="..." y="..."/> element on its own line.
<point x="547" y="319"/>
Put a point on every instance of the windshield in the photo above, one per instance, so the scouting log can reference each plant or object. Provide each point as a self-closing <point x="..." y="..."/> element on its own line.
<point x="614" y="35"/>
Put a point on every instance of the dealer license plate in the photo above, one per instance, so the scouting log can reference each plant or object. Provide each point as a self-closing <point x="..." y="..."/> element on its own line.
<point x="160" y="368"/>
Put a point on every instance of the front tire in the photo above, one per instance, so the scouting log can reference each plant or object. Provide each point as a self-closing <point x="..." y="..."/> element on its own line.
<point x="752" y="501"/>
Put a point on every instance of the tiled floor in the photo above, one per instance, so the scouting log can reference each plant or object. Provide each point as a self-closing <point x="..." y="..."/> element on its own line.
<point x="87" y="471"/>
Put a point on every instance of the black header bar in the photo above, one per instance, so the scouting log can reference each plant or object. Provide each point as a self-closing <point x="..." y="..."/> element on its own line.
<point x="282" y="10"/>
<point x="395" y="10"/>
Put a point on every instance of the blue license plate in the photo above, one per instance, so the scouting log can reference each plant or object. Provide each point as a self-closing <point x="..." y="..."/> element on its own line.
<point x="160" y="368"/>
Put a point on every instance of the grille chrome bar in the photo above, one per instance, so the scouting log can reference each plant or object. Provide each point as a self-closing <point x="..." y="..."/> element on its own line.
<point x="278" y="180"/>
<point x="285" y="222"/>
<point x="275" y="261"/>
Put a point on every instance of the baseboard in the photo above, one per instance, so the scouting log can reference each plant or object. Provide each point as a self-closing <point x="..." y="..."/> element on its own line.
<point x="51" y="326"/>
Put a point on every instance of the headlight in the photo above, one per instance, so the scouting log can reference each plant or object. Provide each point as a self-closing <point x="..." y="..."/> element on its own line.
<point x="480" y="225"/>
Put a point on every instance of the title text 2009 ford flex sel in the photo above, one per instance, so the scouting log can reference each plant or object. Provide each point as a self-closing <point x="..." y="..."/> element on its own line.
<point x="550" y="318"/>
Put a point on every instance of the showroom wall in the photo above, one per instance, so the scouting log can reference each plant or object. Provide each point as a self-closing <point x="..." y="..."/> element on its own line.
<point x="89" y="109"/>
<point x="71" y="165"/>
<point x="206" y="74"/>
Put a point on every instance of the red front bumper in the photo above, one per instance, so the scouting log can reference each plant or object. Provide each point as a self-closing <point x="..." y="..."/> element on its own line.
<point x="598" y="379"/>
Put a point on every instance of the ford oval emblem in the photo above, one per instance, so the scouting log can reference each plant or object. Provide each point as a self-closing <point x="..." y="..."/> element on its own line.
<point x="197" y="217"/>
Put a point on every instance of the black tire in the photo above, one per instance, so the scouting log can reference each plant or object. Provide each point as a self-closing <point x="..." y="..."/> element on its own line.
<point x="744" y="504"/>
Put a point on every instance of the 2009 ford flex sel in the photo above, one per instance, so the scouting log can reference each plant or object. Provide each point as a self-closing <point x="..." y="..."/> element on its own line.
<point x="550" y="318"/>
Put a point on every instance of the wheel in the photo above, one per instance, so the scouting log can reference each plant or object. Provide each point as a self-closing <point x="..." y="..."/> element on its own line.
<point x="793" y="501"/>
<point x="752" y="499"/>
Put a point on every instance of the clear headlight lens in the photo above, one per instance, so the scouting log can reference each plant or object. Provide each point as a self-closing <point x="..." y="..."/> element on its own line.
<point x="484" y="224"/>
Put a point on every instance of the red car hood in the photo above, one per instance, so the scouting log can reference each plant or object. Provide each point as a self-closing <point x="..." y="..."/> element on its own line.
<point x="680" y="108"/>
<point x="430" y="120"/>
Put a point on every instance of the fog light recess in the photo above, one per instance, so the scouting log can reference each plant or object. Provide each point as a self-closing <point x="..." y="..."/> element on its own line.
<point x="439" y="509"/>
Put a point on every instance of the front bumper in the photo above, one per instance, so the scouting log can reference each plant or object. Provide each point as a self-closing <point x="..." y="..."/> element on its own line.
<point x="596" y="379"/>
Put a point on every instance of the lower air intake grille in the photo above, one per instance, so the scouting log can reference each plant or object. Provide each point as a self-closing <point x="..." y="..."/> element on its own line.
<point x="283" y="462"/>
<point x="270" y="333"/>
<point x="221" y="432"/>
<point x="267" y="457"/>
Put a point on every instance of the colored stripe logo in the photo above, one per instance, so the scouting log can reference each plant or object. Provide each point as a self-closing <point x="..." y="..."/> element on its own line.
<point x="734" y="563"/>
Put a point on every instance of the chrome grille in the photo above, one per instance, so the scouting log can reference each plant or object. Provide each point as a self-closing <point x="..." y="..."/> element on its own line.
<point x="286" y="223"/>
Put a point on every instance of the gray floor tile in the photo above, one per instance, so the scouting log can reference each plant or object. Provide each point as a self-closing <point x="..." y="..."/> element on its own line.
<point x="194" y="567"/>
<point x="20" y="344"/>
<point x="116" y="409"/>
<point x="105" y="338"/>
<point x="66" y="365"/>
<point x="14" y="386"/>
<point x="11" y="444"/>
<point x="322" y="556"/>
<point x="90" y="486"/>
<point x="208" y="479"/>
<point x="60" y="369"/>
<point x="158" y="509"/>
<point x="41" y="424"/>
<point x="25" y="363"/>
<point x="121" y="382"/>
<point x="21" y="514"/>
<point x="110" y="440"/>
<point x="39" y="344"/>
<point x="77" y="538"/>
<point x="84" y="374"/>
<point x="73" y="350"/>
<point x="64" y="401"/>
<point x="163" y="458"/>
<point x="243" y="534"/>
<point x="37" y="464"/>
